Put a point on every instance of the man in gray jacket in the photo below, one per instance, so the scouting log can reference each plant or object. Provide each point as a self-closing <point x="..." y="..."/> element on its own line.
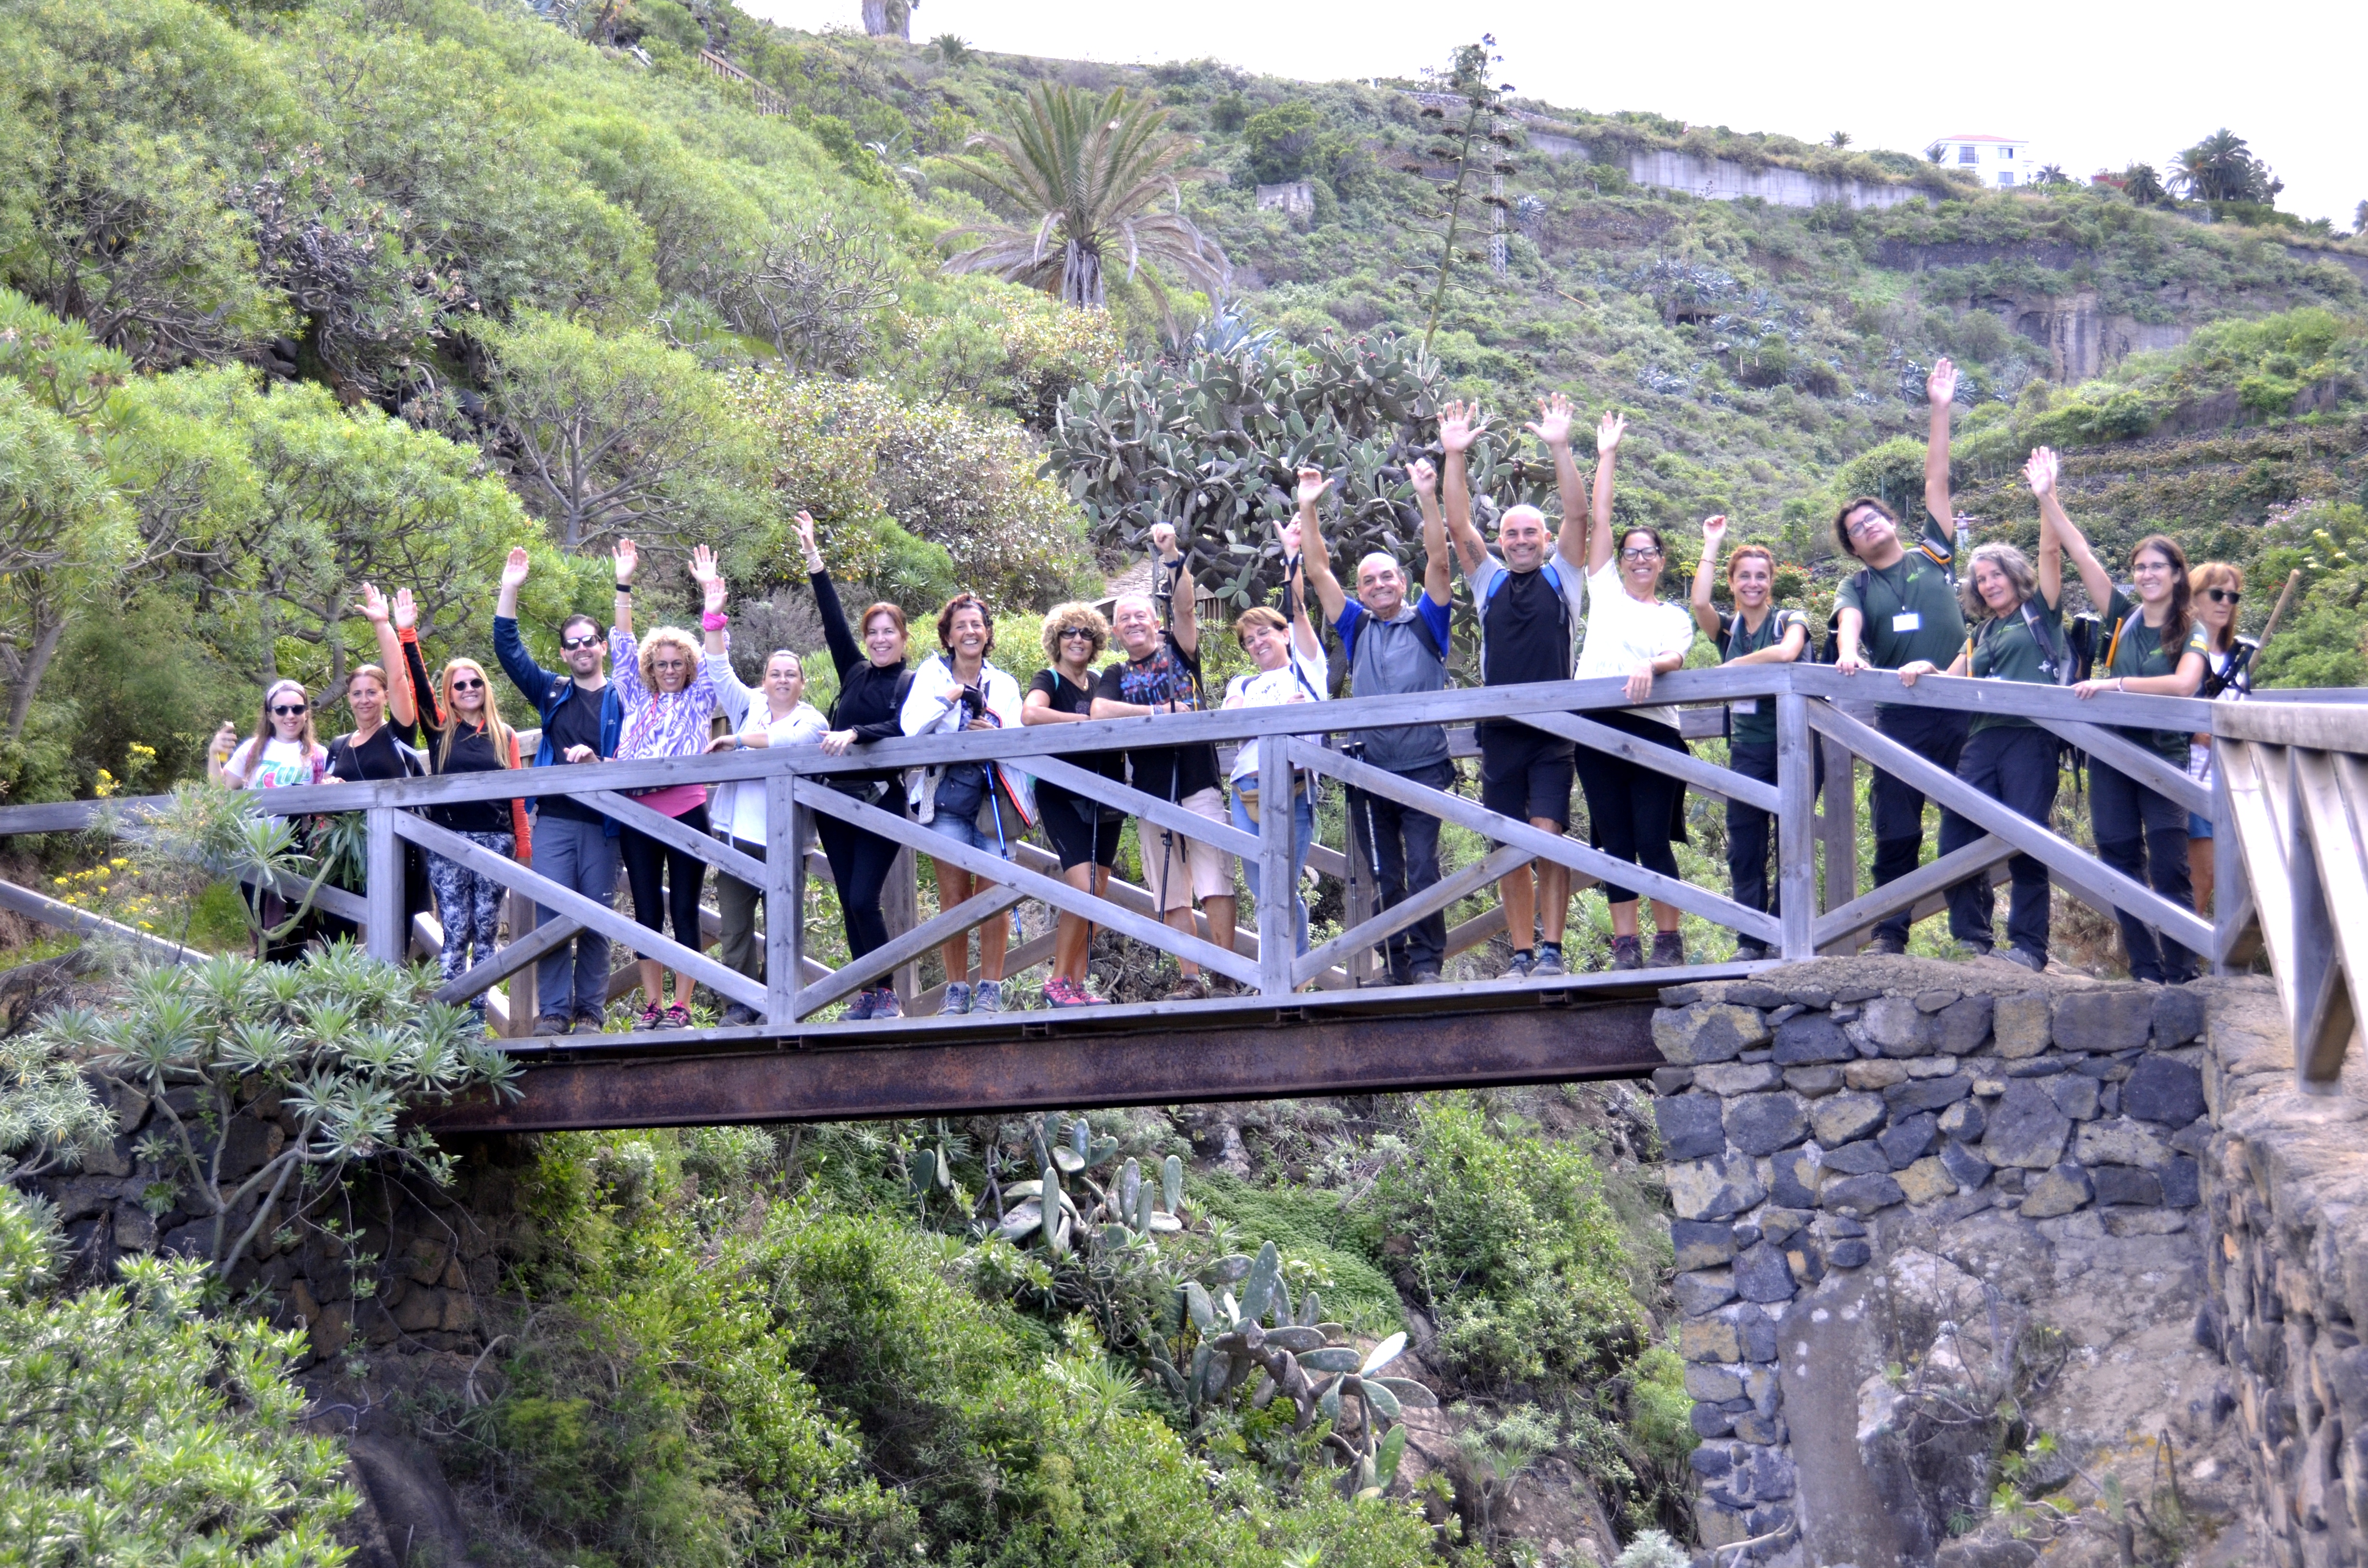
<point x="1394" y="647"/>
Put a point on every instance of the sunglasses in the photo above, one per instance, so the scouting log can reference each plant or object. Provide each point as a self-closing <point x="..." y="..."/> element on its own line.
<point x="468" y="686"/>
<point x="1076" y="633"/>
<point x="572" y="643"/>
<point x="287" y="711"/>
<point x="2224" y="595"/>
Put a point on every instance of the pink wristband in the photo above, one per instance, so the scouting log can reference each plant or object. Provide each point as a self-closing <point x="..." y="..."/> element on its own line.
<point x="714" y="620"/>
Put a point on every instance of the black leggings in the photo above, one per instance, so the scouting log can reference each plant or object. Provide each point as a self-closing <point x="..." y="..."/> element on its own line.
<point x="859" y="862"/>
<point x="1632" y="811"/>
<point x="647" y="861"/>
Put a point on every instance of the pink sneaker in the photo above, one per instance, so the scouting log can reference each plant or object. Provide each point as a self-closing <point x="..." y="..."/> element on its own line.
<point x="651" y="1016"/>
<point x="1063" y="992"/>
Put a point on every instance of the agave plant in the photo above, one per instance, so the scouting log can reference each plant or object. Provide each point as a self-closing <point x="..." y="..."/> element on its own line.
<point x="1089" y="175"/>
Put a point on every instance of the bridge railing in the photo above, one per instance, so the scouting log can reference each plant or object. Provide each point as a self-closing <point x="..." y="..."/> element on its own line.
<point x="1815" y="706"/>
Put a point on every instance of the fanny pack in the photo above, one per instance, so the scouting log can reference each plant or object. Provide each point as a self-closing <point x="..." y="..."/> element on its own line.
<point x="1247" y="792"/>
<point x="871" y="792"/>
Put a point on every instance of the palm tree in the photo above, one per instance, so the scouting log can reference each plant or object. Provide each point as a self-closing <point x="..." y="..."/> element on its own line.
<point x="2142" y="185"/>
<point x="2360" y="219"/>
<point x="1839" y="139"/>
<point x="2051" y="173"/>
<point x="1087" y="173"/>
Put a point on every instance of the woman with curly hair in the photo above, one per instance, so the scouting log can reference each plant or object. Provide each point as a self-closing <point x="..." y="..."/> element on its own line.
<point x="668" y="695"/>
<point x="1085" y="833"/>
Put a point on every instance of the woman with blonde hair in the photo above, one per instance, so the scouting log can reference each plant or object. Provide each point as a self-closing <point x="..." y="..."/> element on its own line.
<point x="1085" y="833"/>
<point x="2214" y="589"/>
<point x="668" y="693"/>
<point x="468" y="736"/>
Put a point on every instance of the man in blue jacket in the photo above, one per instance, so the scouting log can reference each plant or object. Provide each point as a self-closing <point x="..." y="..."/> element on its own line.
<point x="574" y="846"/>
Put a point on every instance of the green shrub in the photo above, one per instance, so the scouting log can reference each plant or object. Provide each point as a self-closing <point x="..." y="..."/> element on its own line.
<point x="1315" y="1233"/>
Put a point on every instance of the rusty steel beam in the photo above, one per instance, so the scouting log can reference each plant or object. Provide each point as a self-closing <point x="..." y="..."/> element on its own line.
<point x="758" y="1081"/>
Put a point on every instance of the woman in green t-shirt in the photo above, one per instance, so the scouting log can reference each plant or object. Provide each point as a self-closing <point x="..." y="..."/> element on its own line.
<point x="2157" y="648"/>
<point x="2017" y="616"/>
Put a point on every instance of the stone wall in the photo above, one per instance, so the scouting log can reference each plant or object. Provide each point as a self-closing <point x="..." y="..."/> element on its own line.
<point x="2285" y="1183"/>
<point x="1891" y="1180"/>
<point x="1722" y="180"/>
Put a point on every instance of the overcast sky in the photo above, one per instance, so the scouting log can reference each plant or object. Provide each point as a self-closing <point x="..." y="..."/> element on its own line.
<point x="2090" y="85"/>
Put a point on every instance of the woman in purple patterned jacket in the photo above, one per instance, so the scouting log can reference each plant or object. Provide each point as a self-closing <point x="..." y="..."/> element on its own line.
<point x="668" y="695"/>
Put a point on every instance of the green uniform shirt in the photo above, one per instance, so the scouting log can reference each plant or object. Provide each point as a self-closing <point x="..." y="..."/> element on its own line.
<point x="1753" y="721"/>
<point x="2137" y="651"/>
<point x="1912" y="612"/>
<point x="2005" y="650"/>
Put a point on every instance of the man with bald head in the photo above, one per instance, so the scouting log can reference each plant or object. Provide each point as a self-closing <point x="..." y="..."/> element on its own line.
<point x="1529" y="595"/>
<point x="1394" y="647"/>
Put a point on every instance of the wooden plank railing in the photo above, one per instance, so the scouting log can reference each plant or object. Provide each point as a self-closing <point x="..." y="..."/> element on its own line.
<point x="2287" y="807"/>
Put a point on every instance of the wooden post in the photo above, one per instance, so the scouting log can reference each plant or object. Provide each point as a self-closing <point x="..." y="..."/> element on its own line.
<point x="785" y="899"/>
<point x="1797" y="790"/>
<point x="1837" y="825"/>
<point x="900" y="906"/>
<point x="524" y="996"/>
<point x="384" y="936"/>
<point x="1364" y="900"/>
<point x="1278" y="928"/>
<point x="2232" y="895"/>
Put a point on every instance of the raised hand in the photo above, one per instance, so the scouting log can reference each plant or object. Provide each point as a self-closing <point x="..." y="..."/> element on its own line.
<point x="373" y="606"/>
<point x="1608" y="433"/>
<point x="709" y="580"/>
<point x="629" y="560"/>
<point x="1552" y="426"/>
<point x="514" y="569"/>
<point x="1714" y="530"/>
<point x="1940" y="386"/>
<point x="1460" y="425"/>
<point x="1289" y="533"/>
<point x="1312" y="485"/>
<point x="2040" y="471"/>
<point x="1162" y="540"/>
<point x="807" y="536"/>
<point x="405" y="612"/>
<point x="1423" y="477"/>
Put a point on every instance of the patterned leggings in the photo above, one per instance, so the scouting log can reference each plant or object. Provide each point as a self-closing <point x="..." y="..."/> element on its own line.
<point x="469" y="906"/>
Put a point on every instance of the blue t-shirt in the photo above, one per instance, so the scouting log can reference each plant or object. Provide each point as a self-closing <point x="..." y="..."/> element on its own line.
<point x="1353" y="616"/>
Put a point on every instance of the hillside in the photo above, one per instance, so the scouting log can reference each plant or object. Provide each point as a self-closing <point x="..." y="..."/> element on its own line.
<point x="303" y="295"/>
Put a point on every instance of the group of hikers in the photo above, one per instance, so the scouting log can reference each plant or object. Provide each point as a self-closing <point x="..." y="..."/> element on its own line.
<point x="1578" y="600"/>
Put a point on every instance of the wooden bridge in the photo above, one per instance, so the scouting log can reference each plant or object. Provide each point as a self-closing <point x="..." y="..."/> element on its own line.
<point x="2288" y="804"/>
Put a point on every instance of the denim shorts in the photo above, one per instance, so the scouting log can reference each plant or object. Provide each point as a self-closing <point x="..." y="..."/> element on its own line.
<point x="979" y="831"/>
<point x="2197" y="827"/>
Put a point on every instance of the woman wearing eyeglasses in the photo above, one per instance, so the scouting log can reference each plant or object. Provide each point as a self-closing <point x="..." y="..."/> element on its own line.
<point x="1633" y="812"/>
<point x="1085" y="833"/>
<point x="469" y="737"/>
<point x="2157" y="649"/>
<point x="668" y="695"/>
<point x="2215" y="588"/>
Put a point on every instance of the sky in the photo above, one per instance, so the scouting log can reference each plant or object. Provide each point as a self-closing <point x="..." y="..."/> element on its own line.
<point x="2090" y="84"/>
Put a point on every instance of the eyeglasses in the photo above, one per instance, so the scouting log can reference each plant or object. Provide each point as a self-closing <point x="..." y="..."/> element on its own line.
<point x="2143" y="566"/>
<point x="1080" y="634"/>
<point x="287" y="711"/>
<point x="1866" y="525"/>
<point x="670" y="664"/>
<point x="570" y="645"/>
<point x="1645" y="554"/>
<point x="2223" y="595"/>
<point x="468" y="686"/>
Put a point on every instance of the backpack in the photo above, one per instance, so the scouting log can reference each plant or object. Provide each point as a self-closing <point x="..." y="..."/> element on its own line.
<point x="2237" y="673"/>
<point x="1553" y="581"/>
<point x="1934" y="550"/>
<point x="2056" y="657"/>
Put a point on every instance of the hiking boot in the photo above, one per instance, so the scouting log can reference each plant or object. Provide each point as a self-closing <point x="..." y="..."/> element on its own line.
<point x="648" y="1017"/>
<point x="1426" y="975"/>
<point x="2035" y="963"/>
<point x="675" y="1017"/>
<point x="1061" y="991"/>
<point x="958" y="999"/>
<point x="1224" y="985"/>
<point x="738" y="1016"/>
<point x="1523" y="962"/>
<point x="1191" y="988"/>
<point x="548" y="1024"/>
<point x="885" y="1004"/>
<point x="1978" y="949"/>
<point x="988" y="998"/>
<point x="591" y="1023"/>
<point x="1748" y="951"/>
<point x="1627" y="952"/>
<point x="1884" y="948"/>
<point x="1668" y="950"/>
<point x="1549" y="963"/>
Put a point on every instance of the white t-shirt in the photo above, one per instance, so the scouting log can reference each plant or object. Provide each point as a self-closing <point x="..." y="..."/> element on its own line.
<point x="1302" y="677"/>
<point x="284" y="763"/>
<point x="1622" y="632"/>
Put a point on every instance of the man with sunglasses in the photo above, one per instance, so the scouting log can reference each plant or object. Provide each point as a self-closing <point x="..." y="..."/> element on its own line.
<point x="574" y="846"/>
<point x="1899" y="608"/>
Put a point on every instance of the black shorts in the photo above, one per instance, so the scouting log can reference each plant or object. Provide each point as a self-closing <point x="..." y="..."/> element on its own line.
<point x="1079" y="834"/>
<point x="1526" y="773"/>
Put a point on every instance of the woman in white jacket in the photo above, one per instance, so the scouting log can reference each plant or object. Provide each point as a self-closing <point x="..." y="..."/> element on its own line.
<point x="987" y="806"/>
<point x="779" y="715"/>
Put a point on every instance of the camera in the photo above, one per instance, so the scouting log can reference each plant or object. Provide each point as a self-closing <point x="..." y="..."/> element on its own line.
<point x="973" y="703"/>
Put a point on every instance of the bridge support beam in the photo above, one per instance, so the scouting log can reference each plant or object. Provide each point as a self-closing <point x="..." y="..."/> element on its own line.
<point x="764" y="1082"/>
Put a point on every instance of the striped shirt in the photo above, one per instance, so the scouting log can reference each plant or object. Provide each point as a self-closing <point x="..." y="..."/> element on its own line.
<point x="661" y="723"/>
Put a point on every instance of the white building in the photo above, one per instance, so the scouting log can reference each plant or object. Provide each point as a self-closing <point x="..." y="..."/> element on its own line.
<point x="1996" y="160"/>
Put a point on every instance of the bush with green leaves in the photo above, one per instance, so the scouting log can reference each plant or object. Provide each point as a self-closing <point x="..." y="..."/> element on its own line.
<point x="141" y="1429"/>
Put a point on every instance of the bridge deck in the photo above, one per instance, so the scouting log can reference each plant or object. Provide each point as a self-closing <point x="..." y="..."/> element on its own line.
<point x="1468" y="1035"/>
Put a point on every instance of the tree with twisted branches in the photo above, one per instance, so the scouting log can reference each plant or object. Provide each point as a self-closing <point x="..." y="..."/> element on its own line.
<point x="1089" y="174"/>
